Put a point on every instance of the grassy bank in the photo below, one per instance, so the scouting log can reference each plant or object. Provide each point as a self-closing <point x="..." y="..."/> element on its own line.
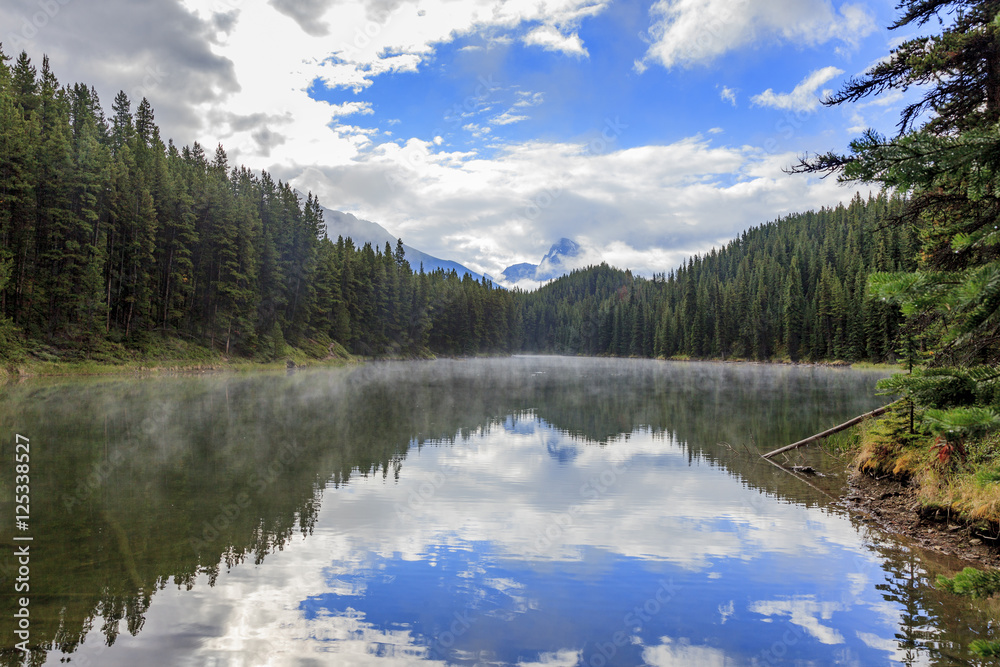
<point x="962" y="480"/>
<point x="157" y="354"/>
<point x="786" y="361"/>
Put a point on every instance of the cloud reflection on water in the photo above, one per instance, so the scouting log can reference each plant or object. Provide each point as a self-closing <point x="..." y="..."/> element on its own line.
<point x="524" y="537"/>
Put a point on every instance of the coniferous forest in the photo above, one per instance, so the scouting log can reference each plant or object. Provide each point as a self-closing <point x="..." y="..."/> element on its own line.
<point x="795" y="288"/>
<point x="109" y="234"/>
<point x="111" y="237"/>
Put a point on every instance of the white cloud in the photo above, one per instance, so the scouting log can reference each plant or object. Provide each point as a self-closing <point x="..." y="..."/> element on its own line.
<point x="692" y="32"/>
<point x="677" y="199"/>
<point x="858" y="124"/>
<point x="564" y="658"/>
<point x="804" y="96"/>
<point x="728" y="95"/>
<point x="507" y="118"/>
<point x="529" y="99"/>
<point x="477" y="130"/>
<point x="551" y="39"/>
<point x="351" y="108"/>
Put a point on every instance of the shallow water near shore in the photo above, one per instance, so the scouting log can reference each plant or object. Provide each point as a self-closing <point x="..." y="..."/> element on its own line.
<point x="524" y="511"/>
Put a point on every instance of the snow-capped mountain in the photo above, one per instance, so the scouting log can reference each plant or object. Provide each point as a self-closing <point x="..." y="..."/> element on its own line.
<point x="556" y="262"/>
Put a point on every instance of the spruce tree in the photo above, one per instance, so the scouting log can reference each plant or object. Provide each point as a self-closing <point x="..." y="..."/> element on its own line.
<point x="945" y="159"/>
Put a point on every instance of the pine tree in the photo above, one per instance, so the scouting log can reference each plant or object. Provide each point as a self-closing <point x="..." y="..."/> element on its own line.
<point x="16" y="198"/>
<point x="794" y="305"/>
<point x="950" y="168"/>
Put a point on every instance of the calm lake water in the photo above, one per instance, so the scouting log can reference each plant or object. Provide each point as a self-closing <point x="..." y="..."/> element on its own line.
<point x="526" y="511"/>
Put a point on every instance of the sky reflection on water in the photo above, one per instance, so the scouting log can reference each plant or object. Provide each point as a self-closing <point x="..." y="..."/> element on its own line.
<point x="514" y="512"/>
<point x="522" y="545"/>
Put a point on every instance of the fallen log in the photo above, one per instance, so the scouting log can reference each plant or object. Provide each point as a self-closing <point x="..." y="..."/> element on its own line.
<point x="830" y="431"/>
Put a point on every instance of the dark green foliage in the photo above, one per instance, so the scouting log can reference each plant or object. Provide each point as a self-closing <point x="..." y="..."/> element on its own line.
<point x="985" y="648"/>
<point x="972" y="582"/>
<point x="794" y="287"/>
<point x="946" y="160"/>
<point x="108" y="233"/>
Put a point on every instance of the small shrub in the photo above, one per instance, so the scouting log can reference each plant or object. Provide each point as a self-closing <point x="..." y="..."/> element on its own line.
<point x="972" y="582"/>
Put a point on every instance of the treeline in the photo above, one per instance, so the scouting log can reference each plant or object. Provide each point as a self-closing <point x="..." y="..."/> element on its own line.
<point x="795" y="288"/>
<point x="109" y="234"/>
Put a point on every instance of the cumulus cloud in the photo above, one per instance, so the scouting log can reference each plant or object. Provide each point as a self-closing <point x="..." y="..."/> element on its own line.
<point x="804" y="96"/>
<point x="111" y="46"/>
<point x="551" y="39"/>
<point x="684" y="33"/>
<point x="671" y="653"/>
<point x="806" y="613"/>
<point x="305" y="13"/>
<point x="351" y="108"/>
<point x="677" y="199"/>
<point x="727" y="94"/>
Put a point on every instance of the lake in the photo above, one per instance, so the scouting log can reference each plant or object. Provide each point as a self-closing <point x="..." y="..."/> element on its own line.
<point x="524" y="511"/>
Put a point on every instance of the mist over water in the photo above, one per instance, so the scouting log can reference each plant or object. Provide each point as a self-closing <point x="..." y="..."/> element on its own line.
<point x="524" y="511"/>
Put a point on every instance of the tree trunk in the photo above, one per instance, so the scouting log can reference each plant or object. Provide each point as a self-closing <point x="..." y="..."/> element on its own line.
<point x="831" y="431"/>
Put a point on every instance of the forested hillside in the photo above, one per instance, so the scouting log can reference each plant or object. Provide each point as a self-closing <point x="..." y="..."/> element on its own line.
<point x="792" y="288"/>
<point x="107" y="235"/>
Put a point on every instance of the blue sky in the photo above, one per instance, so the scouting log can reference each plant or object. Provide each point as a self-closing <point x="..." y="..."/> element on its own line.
<point x="483" y="132"/>
<point x="565" y="97"/>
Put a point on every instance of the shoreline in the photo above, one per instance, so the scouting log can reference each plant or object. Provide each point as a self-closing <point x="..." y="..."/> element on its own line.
<point x="894" y="507"/>
<point x="38" y="368"/>
<point x="152" y="367"/>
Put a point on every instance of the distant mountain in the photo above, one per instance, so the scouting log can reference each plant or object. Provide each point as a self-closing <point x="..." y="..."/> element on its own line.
<point x="553" y="264"/>
<point x="365" y="231"/>
<point x="518" y="272"/>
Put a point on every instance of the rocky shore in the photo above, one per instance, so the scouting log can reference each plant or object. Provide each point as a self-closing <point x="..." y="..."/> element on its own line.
<point x="893" y="506"/>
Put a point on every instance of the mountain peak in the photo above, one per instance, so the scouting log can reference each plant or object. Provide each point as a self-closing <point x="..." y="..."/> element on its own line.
<point x="563" y="247"/>
<point x="551" y="266"/>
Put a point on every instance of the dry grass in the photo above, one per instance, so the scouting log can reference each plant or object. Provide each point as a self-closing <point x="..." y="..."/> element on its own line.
<point x="969" y="485"/>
